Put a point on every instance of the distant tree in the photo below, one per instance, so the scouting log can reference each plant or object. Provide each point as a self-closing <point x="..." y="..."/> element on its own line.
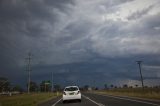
<point x="96" y="88"/>
<point x="17" y="88"/>
<point x="93" y="88"/>
<point x="33" y="86"/>
<point x="120" y="87"/>
<point x="105" y="86"/>
<point x="4" y="84"/>
<point x="156" y="86"/>
<point x="115" y="86"/>
<point x="86" y="87"/>
<point x="146" y="86"/>
<point x="42" y="86"/>
<point x="125" y="86"/>
<point x="45" y="86"/>
<point x="136" y="85"/>
<point x="111" y="85"/>
<point x="57" y="87"/>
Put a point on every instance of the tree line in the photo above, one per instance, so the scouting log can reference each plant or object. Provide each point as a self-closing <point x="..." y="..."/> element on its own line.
<point x="44" y="86"/>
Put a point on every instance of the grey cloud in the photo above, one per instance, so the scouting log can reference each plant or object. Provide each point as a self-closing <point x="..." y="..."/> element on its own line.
<point x="65" y="37"/>
<point x="112" y="3"/>
<point x="139" y="14"/>
<point x="61" y="4"/>
<point x="33" y="18"/>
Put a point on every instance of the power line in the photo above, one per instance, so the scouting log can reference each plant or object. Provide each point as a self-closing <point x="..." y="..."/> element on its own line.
<point x="139" y="64"/>
<point x="29" y="70"/>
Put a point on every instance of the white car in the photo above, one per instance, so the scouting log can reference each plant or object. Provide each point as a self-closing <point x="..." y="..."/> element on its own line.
<point x="71" y="93"/>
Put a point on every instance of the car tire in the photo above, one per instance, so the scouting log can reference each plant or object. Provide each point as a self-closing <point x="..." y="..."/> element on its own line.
<point x="64" y="102"/>
<point x="79" y="100"/>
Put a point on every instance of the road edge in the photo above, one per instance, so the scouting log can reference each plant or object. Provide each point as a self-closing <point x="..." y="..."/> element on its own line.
<point x="129" y="99"/>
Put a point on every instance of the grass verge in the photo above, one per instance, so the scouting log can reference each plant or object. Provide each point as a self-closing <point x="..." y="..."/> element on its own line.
<point x="133" y="92"/>
<point x="32" y="99"/>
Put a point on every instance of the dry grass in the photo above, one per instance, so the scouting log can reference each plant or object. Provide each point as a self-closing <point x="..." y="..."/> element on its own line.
<point x="26" y="99"/>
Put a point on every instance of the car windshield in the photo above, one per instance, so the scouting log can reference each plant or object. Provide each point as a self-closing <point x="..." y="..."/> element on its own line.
<point x="71" y="89"/>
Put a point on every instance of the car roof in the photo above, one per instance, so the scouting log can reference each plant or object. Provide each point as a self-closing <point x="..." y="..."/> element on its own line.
<point x="71" y="86"/>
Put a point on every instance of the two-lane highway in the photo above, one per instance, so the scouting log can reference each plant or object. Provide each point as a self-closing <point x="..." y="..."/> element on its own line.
<point x="89" y="99"/>
<point x="58" y="102"/>
<point x="119" y="101"/>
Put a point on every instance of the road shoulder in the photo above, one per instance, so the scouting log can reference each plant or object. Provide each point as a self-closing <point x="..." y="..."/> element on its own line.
<point x="50" y="102"/>
<point x="141" y="100"/>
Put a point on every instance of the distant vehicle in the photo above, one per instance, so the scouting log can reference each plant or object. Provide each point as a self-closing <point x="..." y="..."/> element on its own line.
<point x="71" y="93"/>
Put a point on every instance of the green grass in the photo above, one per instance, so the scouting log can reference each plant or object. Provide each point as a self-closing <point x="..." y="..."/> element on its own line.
<point x="148" y="93"/>
<point x="32" y="99"/>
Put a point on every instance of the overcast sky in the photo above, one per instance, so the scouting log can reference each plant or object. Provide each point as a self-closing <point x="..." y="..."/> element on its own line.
<point x="81" y="41"/>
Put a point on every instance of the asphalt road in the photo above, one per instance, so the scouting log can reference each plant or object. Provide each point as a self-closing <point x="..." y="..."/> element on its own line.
<point x="89" y="99"/>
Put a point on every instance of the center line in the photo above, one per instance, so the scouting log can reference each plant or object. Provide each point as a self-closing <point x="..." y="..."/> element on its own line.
<point x="99" y="104"/>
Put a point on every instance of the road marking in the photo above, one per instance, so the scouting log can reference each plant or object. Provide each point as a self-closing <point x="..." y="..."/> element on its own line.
<point x="57" y="102"/>
<point x="99" y="104"/>
<point x="130" y="99"/>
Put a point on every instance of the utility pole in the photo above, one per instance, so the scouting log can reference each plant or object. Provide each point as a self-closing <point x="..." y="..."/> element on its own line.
<point x="52" y="82"/>
<point x="139" y="64"/>
<point x="45" y="86"/>
<point x="29" y="70"/>
<point x="94" y="85"/>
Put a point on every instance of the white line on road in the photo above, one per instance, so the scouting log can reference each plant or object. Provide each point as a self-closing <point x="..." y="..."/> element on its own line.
<point x="57" y="102"/>
<point x="130" y="100"/>
<point x="99" y="104"/>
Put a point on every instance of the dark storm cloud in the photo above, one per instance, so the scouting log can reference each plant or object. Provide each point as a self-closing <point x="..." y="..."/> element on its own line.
<point x="24" y="24"/>
<point x="105" y="70"/>
<point x="95" y="40"/>
<point x="61" y="4"/>
<point x="27" y="17"/>
<point x="20" y="19"/>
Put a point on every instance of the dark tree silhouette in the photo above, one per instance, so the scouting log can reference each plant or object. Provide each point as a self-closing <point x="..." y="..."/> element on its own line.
<point x="125" y="86"/>
<point x="4" y="84"/>
<point x="105" y="86"/>
<point x="57" y="87"/>
<point x="45" y="86"/>
<point x="111" y="85"/>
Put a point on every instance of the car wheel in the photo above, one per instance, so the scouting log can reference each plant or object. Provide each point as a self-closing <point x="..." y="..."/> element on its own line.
<point x="64" y="102"/>
<point x="79" y="100"/>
